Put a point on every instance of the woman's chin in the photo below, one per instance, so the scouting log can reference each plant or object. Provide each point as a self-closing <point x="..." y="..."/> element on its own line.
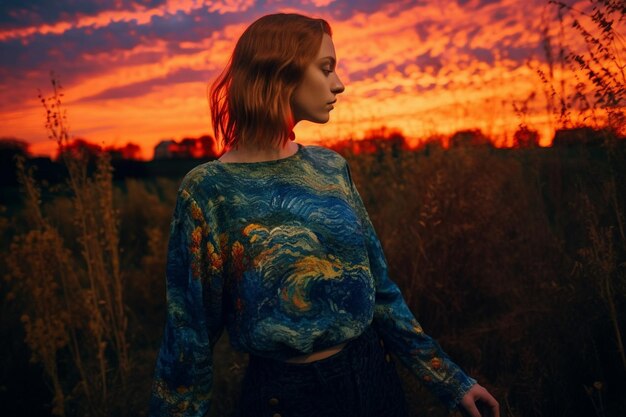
<point x="321" y="117"/>
<point x="324" y="118"/>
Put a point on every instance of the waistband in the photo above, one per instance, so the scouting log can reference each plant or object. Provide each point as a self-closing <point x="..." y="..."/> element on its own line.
<point x="354" y="356"/>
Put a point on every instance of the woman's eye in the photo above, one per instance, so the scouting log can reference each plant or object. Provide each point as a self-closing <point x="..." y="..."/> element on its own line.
<point x="325" y="71"/>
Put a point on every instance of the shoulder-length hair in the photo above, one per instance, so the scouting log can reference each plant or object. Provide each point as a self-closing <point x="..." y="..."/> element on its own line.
<point x="250" y="100"/>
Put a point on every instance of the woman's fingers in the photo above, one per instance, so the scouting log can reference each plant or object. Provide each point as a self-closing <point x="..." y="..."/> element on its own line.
<point x="487" y="404"/>
<point x="471" y="408"/>
<point x="494" y="407"/>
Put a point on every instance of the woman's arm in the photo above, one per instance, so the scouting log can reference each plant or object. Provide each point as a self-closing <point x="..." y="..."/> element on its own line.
<point x="400" y="330"/>
<point x="183" y="376"/>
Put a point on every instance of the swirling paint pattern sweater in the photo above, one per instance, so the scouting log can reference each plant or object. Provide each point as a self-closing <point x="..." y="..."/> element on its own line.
<point x="283" y="255"/>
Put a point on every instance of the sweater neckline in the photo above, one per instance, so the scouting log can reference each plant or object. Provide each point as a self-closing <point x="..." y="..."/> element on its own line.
<point x="293" y="156"/>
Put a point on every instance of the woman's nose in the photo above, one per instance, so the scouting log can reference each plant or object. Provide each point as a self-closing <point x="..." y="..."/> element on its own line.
<point x="338" y="87"/>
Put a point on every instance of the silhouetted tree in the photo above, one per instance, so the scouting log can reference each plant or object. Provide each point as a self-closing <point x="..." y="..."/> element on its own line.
<point x="208" y="146"/>
<point x="9" y="149"/>
<point x="186" y="148"/>
<point x="78" y="146"/>
<point x="470" y="137"/>
<point x="128" y="151"/>
<point x="525" y="138"/>
<point x="13" y="146"/>
<point x="431" y="143"/>
<point x="578" y="136"/>
<point x="379" y="140"/>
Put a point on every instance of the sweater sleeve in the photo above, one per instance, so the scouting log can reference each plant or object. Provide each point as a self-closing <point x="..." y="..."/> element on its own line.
<point x="183" y="376"/>
<point x="400" y="330"/>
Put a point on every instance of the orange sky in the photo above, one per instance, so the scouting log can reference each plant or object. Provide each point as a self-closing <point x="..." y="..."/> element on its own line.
<point x="138" y="71"/>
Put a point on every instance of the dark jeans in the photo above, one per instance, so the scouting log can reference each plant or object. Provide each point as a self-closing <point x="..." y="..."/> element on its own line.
<point x="358" y="381"/>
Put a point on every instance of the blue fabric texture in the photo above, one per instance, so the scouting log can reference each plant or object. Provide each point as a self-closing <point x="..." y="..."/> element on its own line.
<point x="284" y="256"/>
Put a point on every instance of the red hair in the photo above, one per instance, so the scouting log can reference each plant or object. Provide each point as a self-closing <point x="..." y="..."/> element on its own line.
<point x="250" y="100"/>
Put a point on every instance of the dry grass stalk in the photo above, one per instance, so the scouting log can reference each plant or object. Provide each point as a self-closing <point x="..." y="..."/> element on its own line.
<point x="602" y="267"/>
<point x="41" y="269"/>
<point x="76" y="301"/>
<point x="602" y="65"/>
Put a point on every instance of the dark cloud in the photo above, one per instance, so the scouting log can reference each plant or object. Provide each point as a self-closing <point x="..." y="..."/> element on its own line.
<point x="369" y="72"/>
<point x="424" y="89"/>
<point x="479" y="4"/>
<point x="183" y="75"/>
<point x="484" y="55"/>
<point x="182" y="27"/>
<point x="422" y="61"/>
<point x="511" y="39"/>
<point x="427" y="59"/>
<point x="16" y="14"/>
<point x="472" y="33"/>
<point x="499" y="14"/>
<point x="423" y="28"/>
<point x="344" y="10"/>
<point x="68" y="48"/>
<point x="521" y="53"/>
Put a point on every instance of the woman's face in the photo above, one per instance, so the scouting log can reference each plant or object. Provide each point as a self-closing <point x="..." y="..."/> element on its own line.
<point x="319" y="87"/>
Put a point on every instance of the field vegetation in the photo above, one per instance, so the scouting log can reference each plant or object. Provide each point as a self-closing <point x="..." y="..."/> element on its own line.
<point x="514" y="259"/>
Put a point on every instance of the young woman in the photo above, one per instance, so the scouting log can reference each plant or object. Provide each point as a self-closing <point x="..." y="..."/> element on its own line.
<point x="273" y="242"/>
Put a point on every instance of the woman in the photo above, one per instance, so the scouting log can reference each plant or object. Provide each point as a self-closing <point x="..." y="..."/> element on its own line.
<point x="273" y="242"/>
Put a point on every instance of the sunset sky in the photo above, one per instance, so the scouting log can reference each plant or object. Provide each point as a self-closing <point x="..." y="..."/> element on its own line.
<point x="138" y="71"/>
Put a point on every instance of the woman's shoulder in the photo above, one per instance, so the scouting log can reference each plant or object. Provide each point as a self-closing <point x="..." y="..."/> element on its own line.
<point x="210" y="176"/>
<point x="325" y="153"/>
<point x="203" y="176"/>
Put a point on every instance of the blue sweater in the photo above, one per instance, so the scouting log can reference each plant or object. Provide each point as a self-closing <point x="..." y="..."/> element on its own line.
<point x="283" y="254"/>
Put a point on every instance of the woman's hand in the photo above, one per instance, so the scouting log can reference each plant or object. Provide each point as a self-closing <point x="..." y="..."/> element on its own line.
<point x="488" y="405"/>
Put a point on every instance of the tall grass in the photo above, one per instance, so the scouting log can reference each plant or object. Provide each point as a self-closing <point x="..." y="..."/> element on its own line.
<point x="495" y="252"/>
<point x="603" y="65"/>
<point x="482" y="242"/>
<point x="514" y="260"/>
<point x="74" y="315"/>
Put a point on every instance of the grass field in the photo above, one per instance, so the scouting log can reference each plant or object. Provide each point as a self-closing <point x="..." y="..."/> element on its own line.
<point x="513" y="259"/>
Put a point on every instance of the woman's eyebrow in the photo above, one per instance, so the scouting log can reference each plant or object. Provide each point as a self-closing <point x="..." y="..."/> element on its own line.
<point x="329" y="58"/>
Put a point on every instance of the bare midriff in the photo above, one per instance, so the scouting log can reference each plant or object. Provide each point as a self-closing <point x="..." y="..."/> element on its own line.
<point x="315" y="356"/>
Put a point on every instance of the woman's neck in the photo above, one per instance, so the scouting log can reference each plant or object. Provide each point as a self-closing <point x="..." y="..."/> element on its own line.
<point x="247" y="153"/>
